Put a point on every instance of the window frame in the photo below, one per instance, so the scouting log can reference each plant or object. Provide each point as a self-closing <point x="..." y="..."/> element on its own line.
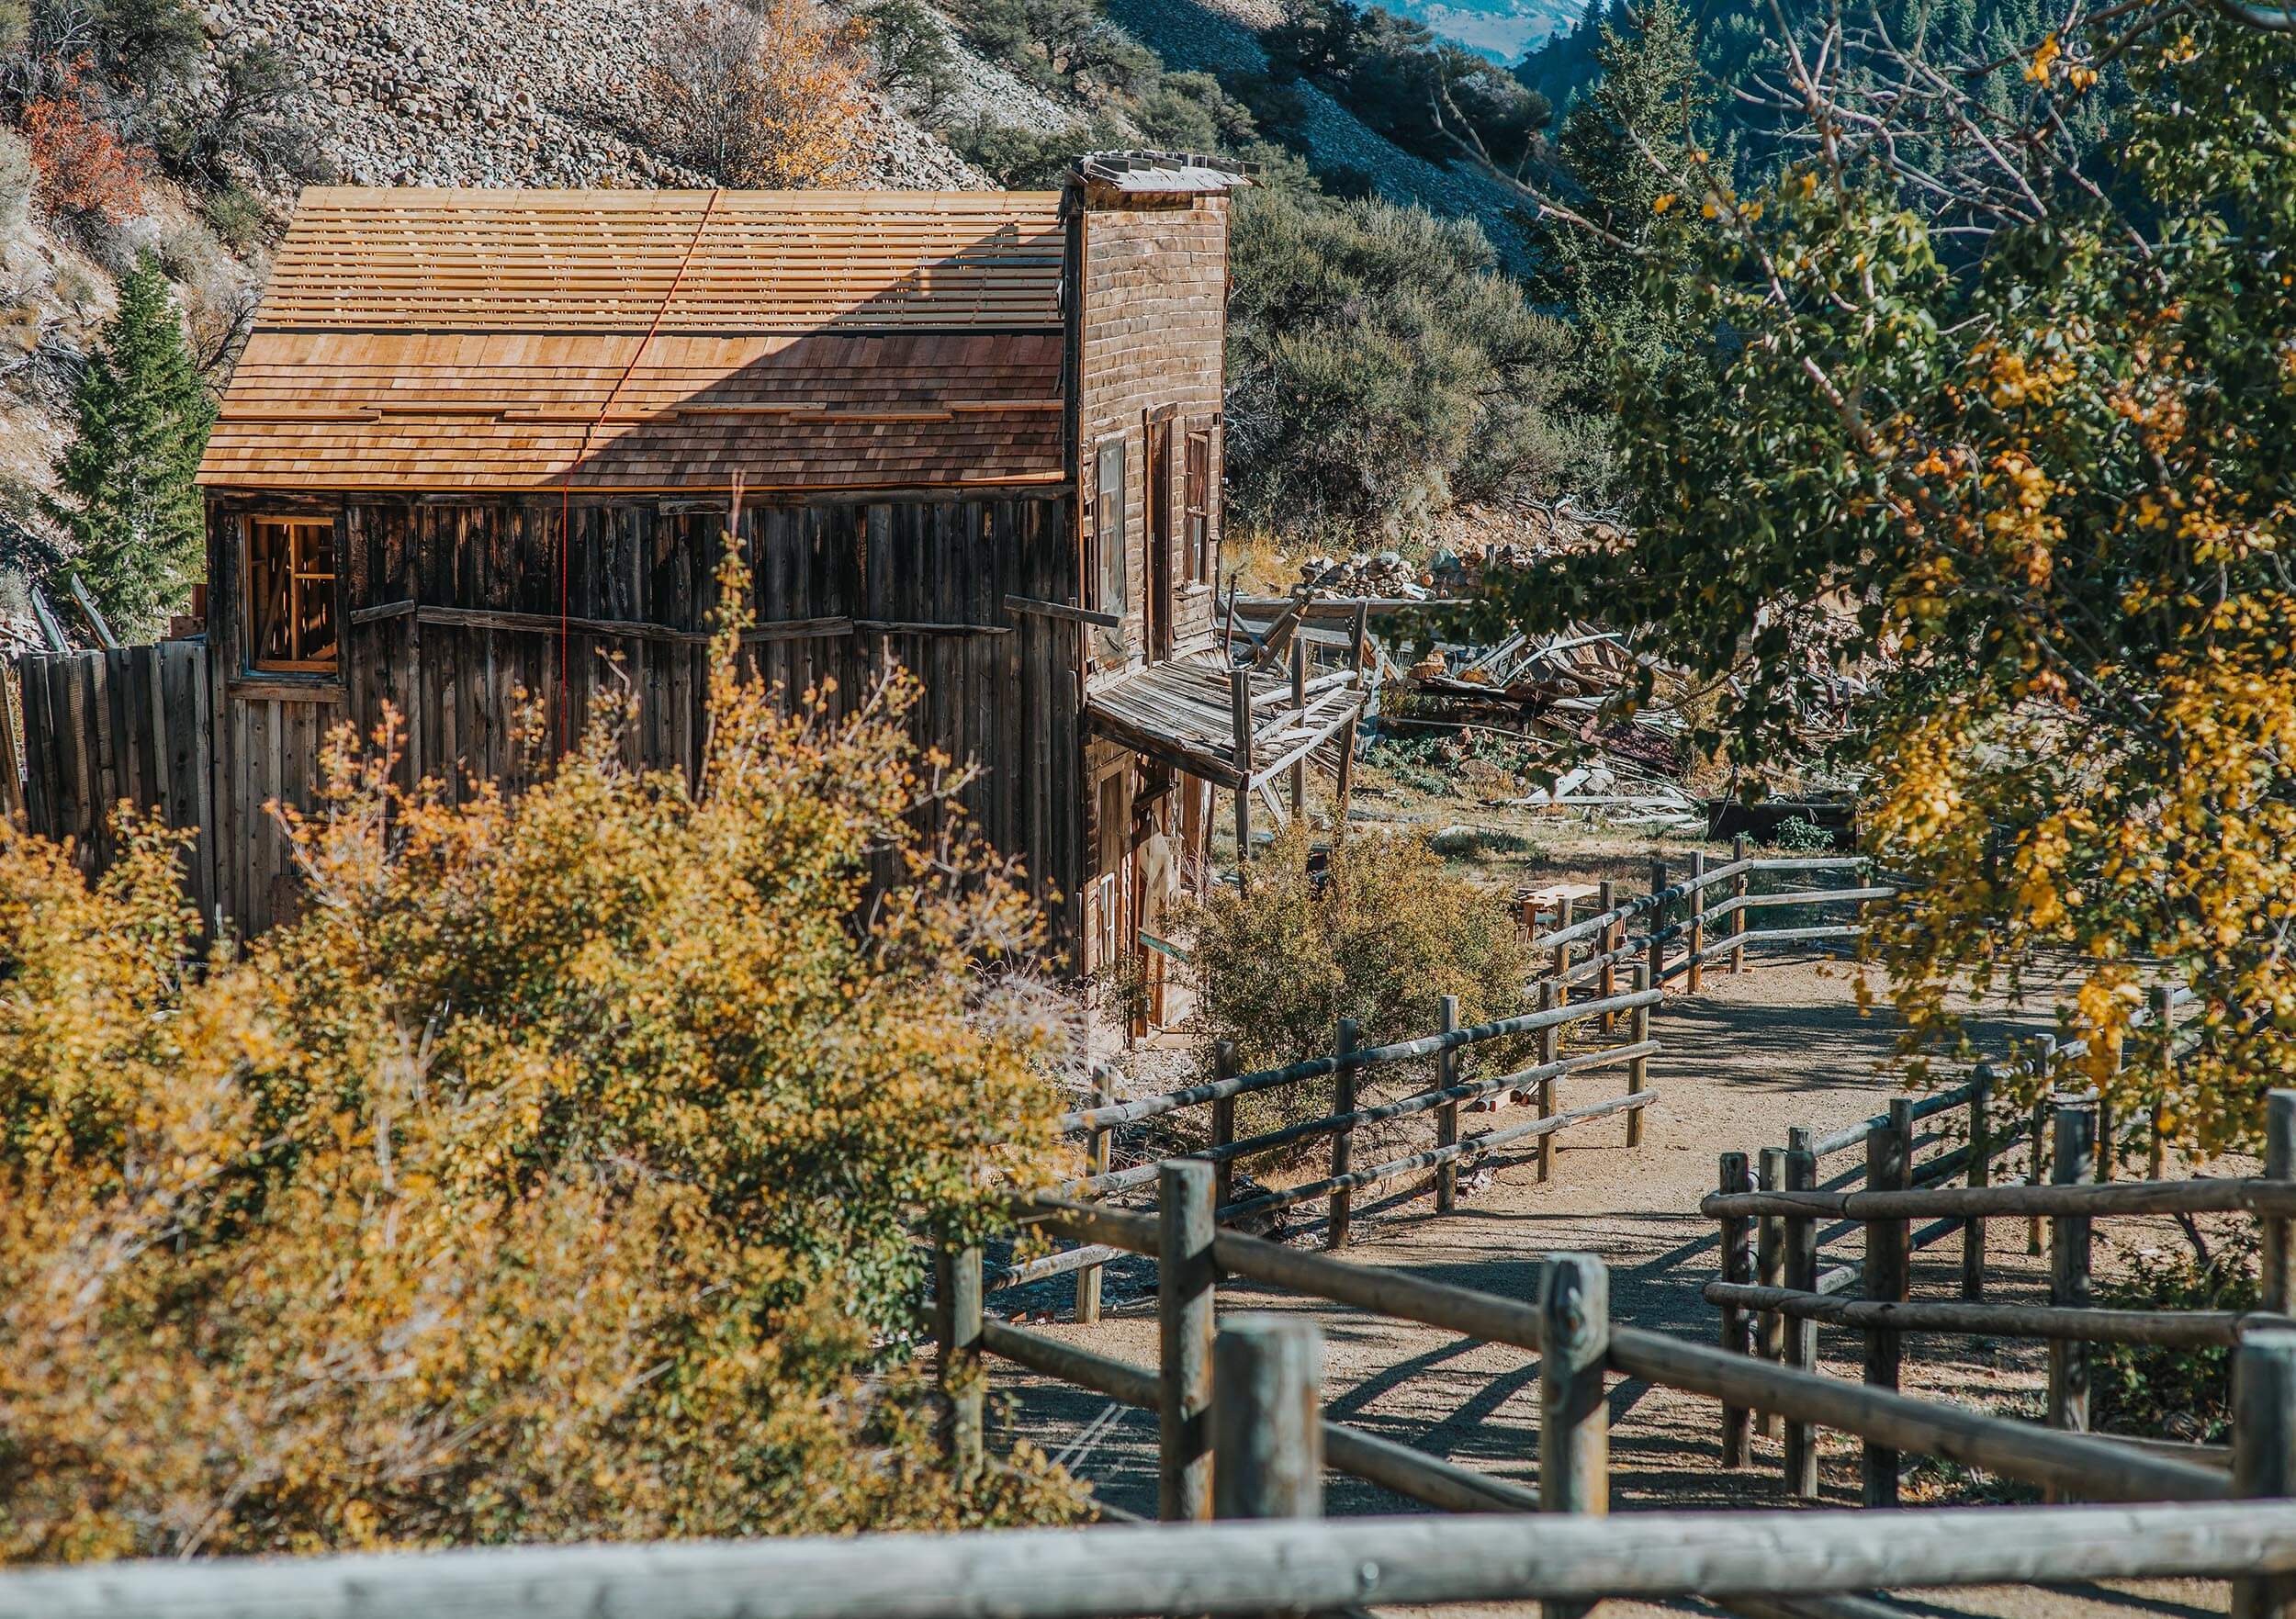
<point x="296" y="523"/>
<point x="1111" y="566"/>
<point x="1196" y="540"/>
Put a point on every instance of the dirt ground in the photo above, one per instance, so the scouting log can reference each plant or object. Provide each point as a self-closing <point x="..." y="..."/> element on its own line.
<point x="1751" y="1056"/>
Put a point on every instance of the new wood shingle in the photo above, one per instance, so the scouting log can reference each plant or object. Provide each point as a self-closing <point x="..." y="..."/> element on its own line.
<point x="442" y="340"/>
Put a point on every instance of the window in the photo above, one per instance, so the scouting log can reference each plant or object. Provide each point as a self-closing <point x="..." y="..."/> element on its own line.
<point x="291" y="594"/>
<point x="1196" y="539"/>
<point x="1109" y="510"/>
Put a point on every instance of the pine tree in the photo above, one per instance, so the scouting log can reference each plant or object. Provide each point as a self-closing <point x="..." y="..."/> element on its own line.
<point x="1651" y="102"/>
<point x="125" y="488"/>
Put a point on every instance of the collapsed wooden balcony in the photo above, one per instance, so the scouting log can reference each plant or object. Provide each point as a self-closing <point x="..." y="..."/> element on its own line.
<point x="1242" y="729"/>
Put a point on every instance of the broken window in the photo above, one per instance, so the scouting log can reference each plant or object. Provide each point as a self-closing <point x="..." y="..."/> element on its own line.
<point x="291" y="594"/>
<point x="1196" y="542"/>
<point x="1108" y="508"/>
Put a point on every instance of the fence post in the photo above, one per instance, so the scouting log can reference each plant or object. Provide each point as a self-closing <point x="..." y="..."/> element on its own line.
<point x="2263" y="1451"/>
<point x="1343" y="1140"/>
<point x="1448" y="1115"/>
<point x="1223" y="1066"/>
<point x="1737" y="1265"/>
<point x="1087" y="1309"/>
<point x="1184" y="1333"/>
<point x="1657" y="951"/>
<point x="1606" y="900"/>
<point x="1549" y="1048"/>
<point x="1697" y="920"/>
<point x="2278" y="1272"/>
<point x="1565" y="910"/>
<point x="1637" y="1068"/>
<point x="958" y="1296"/>
<point x="1770" y="1271"/>
<point x="1801" y="1336"/>
<point x="2108" y="1135"/>
<point x="1574" y="1414"/>
<point x="1888" y="1154"/>
<point x="2044" y="1059"/>
<point x="2068" y="1261"/>
<point x="1980" y="1174"/>
<point x="1737" y="917"/>
<point x="2165" y="1020"/>
<point x="1267" y="1418"/>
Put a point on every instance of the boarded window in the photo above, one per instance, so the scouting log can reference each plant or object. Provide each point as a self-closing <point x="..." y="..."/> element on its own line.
<point x="291" y="594"/>
<point x="1197" y="540"/>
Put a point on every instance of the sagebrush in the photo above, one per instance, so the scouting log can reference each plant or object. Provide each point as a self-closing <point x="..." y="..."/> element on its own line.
<point x="1380" y="936"/>
<point x="559" y="1174"/>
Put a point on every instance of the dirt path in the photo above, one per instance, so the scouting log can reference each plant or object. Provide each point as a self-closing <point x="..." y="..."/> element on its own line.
<point x="1741" y="1063"/>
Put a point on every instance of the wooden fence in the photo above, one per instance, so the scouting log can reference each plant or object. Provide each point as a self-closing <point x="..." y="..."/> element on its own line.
<point x="1568" y="1328"/>
<point x="1612" y="954"/>
<point x="1792" y="1296"/>
<point x="128" y="723"/>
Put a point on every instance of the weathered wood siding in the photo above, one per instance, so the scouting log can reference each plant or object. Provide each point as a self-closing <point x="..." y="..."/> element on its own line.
<point x="1151" y="333"/>
<point x="100" y="727"/>
<point x="451" y="608"/>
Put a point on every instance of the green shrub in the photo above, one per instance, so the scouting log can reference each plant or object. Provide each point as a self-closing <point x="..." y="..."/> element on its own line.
<point x="1380" y="368"/>
<point x="237" y="216"/>
<point x="1800" y="835"/>
<point x="1381" y="937"/>
<point x="2173" y="1393"/>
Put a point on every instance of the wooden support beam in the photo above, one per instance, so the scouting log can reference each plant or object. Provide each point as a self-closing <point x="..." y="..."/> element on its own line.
<point x="1300" y="701"/>
<point x="1240" y="704"/>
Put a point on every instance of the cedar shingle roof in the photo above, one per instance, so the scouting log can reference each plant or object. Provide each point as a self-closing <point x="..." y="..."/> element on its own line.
<point x="439" y="339"/>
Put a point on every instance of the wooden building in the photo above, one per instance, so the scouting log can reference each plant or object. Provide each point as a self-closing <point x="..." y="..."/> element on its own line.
<point x="481" y="441"/>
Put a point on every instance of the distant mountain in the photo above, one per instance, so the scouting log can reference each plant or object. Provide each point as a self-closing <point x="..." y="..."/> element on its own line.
<point x="1501" y="29"/>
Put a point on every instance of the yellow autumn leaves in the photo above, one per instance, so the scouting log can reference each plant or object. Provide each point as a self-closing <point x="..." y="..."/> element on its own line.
<point x="555" y="1177"/>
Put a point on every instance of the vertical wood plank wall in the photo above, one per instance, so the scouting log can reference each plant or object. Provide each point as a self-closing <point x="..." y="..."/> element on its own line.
<point x="1006" y="697"/>
<point x="100" y="727"/>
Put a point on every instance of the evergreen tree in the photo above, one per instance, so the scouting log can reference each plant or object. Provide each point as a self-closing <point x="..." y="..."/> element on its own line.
<point x="125" y="486"/>
<point x="1651" y="102"/>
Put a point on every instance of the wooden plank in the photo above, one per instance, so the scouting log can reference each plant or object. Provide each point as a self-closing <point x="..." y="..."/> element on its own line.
<point x="1295" y="1566"/>
<point x="2174" y="1329"/>
<point x="1061" y="610"/>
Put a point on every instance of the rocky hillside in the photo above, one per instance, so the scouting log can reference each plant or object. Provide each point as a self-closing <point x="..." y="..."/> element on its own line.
<point x="508" y="93"/>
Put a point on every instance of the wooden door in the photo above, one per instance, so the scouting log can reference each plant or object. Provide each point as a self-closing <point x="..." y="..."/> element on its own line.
<point x="1156" y="600"/>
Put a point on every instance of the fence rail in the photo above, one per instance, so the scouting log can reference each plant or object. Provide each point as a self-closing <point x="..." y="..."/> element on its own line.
<point x="2072" y="1462"/>
<point x="1790" y="1295"/>
<point x="1642" y="957"/>
<point x="1287" y="1566"/>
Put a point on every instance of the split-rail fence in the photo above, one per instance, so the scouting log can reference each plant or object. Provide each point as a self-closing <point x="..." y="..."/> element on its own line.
<point x="1627" y="973"/>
